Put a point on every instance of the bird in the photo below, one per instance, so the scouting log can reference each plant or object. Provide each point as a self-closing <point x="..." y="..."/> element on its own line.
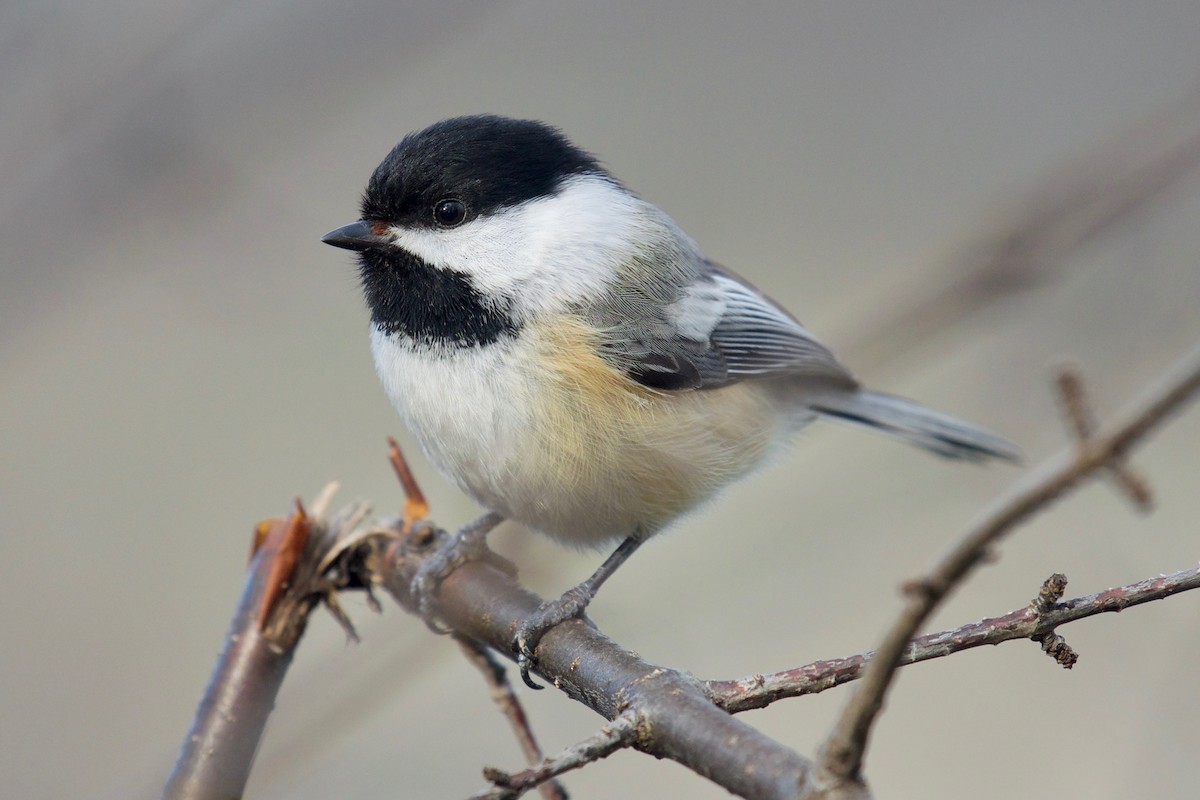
<point x="567" y="356"/>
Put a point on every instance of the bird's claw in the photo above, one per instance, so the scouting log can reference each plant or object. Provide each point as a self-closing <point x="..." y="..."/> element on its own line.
<point x="425" y="584"/>
<point x="531" y="630"/>
<point x="526" y="662"/>
<point x="469" y="544"/>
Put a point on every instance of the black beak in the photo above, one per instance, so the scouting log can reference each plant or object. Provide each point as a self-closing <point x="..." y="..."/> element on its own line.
<point x="356" y="236"/>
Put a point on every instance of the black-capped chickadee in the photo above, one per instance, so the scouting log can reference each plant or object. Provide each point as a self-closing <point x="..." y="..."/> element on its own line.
<point x="567" y="355"/>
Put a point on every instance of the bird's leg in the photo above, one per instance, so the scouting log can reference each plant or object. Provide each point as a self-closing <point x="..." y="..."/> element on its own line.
<point x="469" y="544"/>
<point x="571" y="605"/>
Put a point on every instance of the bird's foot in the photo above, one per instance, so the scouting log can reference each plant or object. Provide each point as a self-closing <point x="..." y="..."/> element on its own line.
<point x="531" y="630"/>
<point x="469" y="544"/>
<point x="571" y="605"/>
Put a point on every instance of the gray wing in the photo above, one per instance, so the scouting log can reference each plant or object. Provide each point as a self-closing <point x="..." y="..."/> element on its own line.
<point x="720" y="330"/>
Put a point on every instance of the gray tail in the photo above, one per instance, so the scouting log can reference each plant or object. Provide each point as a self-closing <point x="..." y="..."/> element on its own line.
<point x="918" y="424"/>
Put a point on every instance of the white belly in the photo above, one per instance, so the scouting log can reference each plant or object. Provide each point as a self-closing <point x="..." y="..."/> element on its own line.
<point x="545" y="432"/>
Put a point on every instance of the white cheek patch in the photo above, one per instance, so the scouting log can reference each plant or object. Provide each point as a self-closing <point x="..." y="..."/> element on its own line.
<point x="548" y="253"/>
<point x="484" y="245"/>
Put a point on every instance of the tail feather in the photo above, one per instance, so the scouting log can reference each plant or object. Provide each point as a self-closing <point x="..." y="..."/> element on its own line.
<point x="919" y="425"/>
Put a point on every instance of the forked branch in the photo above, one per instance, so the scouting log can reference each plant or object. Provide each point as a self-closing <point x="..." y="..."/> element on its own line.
<point x="842" y="754"/>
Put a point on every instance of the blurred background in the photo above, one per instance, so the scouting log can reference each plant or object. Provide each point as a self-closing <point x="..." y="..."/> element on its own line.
<point x="956" y="196"/>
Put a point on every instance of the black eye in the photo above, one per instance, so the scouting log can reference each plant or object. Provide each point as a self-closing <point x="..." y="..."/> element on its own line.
<point x="449" y="213"/>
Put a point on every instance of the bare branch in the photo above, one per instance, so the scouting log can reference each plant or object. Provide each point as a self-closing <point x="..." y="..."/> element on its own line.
<point x="759" y="691"/>
<point x="618" y="734"/>
<point x="677" y="716"/>
<point x="510" y="706"/>
<point x="218" y="750"/>
<point x="841" y="758"/>
<point x="282" y="587"/>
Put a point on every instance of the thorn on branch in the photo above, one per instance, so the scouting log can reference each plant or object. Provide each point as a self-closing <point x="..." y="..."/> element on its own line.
<point x="1073" y="396"/>
<point x="416" y="508"/>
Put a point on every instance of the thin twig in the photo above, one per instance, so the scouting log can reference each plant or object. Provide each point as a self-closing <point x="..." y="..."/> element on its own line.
<point x="759" y="691"/>
<point x="1073" y="396"/>
<point x="415" y="506"/>
<point x="841" y="758"/>
<point x="324" y="499"/>
<point x="510" y="706"/>
<point x="618" y="734"/>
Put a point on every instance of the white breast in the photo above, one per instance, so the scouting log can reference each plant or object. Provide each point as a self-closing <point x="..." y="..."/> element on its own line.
<point x="467" y="407"/>
<point x="542" y="430"/>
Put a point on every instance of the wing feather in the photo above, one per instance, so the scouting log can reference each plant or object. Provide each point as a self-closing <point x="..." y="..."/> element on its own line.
<point x="758" y="337"/>
<point x="718" y="330"/>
